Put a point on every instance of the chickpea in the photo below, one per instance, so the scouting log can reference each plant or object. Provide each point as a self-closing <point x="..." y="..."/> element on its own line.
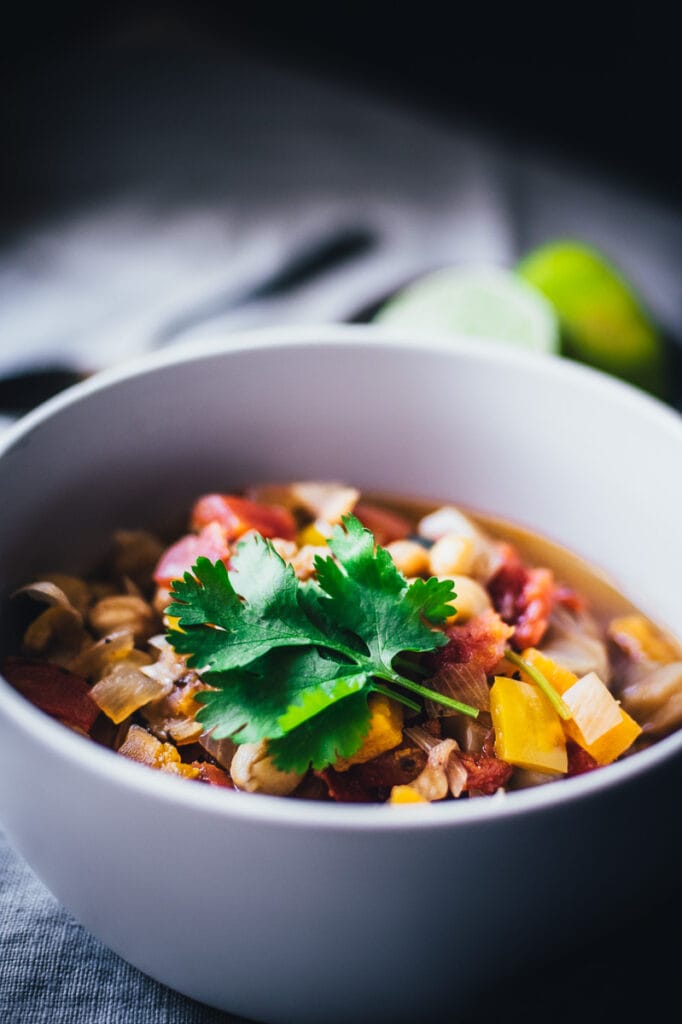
<point x="444" y="520"/>
<point x="452" y="554"/>
<point x="410" y="557"/>
<point x="449" y="521"/>
<point x="253" y="770"/>
<point x="123" y="611"/>
<point x="472" y="599"/>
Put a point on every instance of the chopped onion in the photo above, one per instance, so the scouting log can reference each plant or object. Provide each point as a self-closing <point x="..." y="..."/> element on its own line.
<point x="221" y="751"/>
<point x="470" y="733"/>
<point x="466" y="683"/>
<point x="139" y="745"/>
<point x="56" y="635"/>
<point x="444" y="772"/>
<point x="422" y="737"/>
<point x="184" y="731"/>
<point x="169" y="666"/>
<point x="49" y="593"/>
<point x="326" y="501"/>
<point x="124" y="689"/>
<point x="653" y="696"/>
<point x="95" y="659"/>
<point x="572" y="641"/>
<point x="158" y="642"/>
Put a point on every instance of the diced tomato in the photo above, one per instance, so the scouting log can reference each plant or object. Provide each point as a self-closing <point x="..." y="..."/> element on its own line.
<point x="535" y="608"/>
<point x="181" y="556"/>
<point x="212" y="774"/>
<point x="386" y="526"/>
<point x="371" y="782"/>
<point x="569" y="598"/>
<point x="524" y="598"/>
<point x="579" y="760"/>
<point x="56" y="691"/>
<point x="482" y="640"/>
<point x="347" y="788"/>
<point x="485" y="772"/>
<point x="506" y="586"/>
<point x="238" y="515"/>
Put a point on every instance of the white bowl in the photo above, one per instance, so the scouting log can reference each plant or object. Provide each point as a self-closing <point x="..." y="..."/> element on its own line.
<point x="286" y="910"/>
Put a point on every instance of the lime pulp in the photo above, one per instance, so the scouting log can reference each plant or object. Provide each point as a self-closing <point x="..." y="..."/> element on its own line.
<point x="484" y="301"/>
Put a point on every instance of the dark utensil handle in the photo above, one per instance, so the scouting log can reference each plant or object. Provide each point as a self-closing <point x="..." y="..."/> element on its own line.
<point x="21" y="392"/>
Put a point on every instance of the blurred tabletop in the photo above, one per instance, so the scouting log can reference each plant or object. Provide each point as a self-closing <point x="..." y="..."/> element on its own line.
<point x="162" y="194"/>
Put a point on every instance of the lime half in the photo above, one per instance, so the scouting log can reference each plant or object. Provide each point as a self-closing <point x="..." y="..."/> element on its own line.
<point x="485" y="302"/>
<point x="603" y="321"/>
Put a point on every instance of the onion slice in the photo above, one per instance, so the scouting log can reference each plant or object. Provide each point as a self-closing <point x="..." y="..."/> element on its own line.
<point x="50" y="594"/>
<point x="572" y="641"/>
<point x="124" y="689"/>
<point x="95" y="659"/>
<point x="221" y="751"/>
<point x="444" y="771"/>
<point x="465" y="682"/>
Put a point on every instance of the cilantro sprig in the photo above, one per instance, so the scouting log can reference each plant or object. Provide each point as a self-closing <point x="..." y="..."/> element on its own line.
<point x="294" y="662"/>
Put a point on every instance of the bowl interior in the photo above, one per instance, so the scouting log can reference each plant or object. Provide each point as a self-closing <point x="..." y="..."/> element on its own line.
<point x="563" y="450"/>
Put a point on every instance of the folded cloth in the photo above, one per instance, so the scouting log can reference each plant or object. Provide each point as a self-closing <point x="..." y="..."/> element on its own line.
<point x="53" y="972"/>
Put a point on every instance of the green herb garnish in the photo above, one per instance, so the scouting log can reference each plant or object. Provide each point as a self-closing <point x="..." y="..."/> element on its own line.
<point x="294" y="662"/>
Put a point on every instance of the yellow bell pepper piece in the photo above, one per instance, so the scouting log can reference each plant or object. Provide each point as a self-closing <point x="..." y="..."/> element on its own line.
<point x="385" y="732"/>
<point x="528" y="731"/>
<point x="314" y="534"/>
<point x="599" y="724"/>
<point x="406" y="795"/>
<point x="637" y="635"/>
<point x="560" y="678"/>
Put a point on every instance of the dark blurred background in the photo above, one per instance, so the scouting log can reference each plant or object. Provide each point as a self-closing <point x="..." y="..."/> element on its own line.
<point x="595" y="89"/>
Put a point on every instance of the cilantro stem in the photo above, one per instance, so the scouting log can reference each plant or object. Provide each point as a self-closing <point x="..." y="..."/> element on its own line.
<point x="433" y="695"/>
<point x="400" y="697"/>
<point x="542" y="682"/>
<point x="411" y="666"/>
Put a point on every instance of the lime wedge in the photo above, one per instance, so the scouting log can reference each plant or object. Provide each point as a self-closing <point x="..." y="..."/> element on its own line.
<point x="485" y="302"/>
<point x="603" y="322"/>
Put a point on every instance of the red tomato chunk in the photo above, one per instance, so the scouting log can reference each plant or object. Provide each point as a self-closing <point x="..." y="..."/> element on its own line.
<point x="238" y="515"/>
<point x="386" y="526"/>
<point x="181" y="556"/>
<point x="56" y="691"/>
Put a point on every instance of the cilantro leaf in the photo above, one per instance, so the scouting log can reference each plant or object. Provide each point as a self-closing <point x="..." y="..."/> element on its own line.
<point x="338" y="731"/>
<point x="279" y="692"/>
<point x="370" y="597"/>
<point x="227" y="620"/>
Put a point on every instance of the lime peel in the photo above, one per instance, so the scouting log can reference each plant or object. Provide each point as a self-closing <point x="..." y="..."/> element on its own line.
<point x="604" y="323"/>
